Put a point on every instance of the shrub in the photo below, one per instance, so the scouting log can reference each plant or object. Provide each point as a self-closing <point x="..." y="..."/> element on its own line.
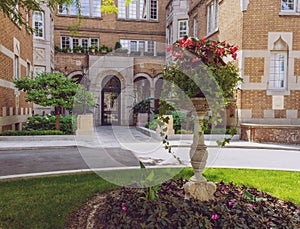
<point x="47" y="122"/>
<point x="31" y="132"/>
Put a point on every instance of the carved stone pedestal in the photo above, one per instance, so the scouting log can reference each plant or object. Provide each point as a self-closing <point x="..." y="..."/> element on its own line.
<point x="198" y="187"/>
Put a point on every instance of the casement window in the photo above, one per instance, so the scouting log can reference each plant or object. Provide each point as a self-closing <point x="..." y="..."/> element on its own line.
<point x="28" y="69"/>
<point x="139" y="46"/>
<point x="278" y="70"/>
<point x="195" y="28"/>
<point x="87" y="8"/>
<point x="73" y="42"/>
<point x="289" y="5"/>
<point x="16" y="67"/>
<point x="183" y="28"/>
<point x="38" y="24"/>
<point x="212" y="17"/>
<point x="138" y="9"/>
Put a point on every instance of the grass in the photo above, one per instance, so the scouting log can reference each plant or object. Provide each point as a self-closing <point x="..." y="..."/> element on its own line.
<point x="46" y="202"/>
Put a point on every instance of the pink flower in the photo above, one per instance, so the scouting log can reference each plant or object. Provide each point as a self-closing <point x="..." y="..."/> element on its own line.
<point x="177" y="54"/>
<point x="123" y="204"/>
<point x="214" y="217"/>
<point x="251" y="206"/>
<point x="124" y="209"/>
<point x="223" y="188"/>
<point x="196" y="59"/>
<point x="169" y="48"/>
<point x="232" y="202"/>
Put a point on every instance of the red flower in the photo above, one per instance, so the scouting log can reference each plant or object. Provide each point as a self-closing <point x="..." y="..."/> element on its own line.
<point x="182" y="41"/>
<point x="214" y="217"/>
<point x="203" y="39"/>
<point x="233" y="49"/>
<point x="169" y="48"/>
<point x="234" y="55"/>
<point x="220" y="51"/>
<point x="214" y="43"/>
<point x="188" y="42"/>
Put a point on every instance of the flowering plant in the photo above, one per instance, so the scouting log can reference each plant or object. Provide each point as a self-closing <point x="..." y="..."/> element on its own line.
<point x="198" y="64"/>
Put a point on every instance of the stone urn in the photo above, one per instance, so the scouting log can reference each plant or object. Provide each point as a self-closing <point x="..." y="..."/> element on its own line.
<point x="198" y="187"/>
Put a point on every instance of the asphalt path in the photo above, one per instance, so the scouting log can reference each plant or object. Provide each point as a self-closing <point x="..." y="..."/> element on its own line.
<point x="31" y="161"/>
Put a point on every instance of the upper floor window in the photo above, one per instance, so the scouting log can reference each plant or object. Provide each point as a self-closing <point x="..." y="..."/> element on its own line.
<point x="212" y="16"/>
<point x="138" y="9"/>
<point x="72" y="42"/>
<point x="289" y="5"/>
<point x="89" y="8"/>
<point x="278" y="70"/>
<point x="139" y="46"/>
<point x="38" y="24"/>
<point x="183" y="28"/>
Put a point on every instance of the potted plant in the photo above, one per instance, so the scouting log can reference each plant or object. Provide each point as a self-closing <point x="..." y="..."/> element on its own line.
<point x="78" y="49"/>
<point x="200" y="73"/>
<point x="94" y="48"/>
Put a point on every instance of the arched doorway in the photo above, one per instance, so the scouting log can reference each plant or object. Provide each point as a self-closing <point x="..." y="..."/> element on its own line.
<point x="111" y="101"/>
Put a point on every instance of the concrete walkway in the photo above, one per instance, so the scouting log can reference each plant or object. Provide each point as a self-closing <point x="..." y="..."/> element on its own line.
<point x="150" y="150"/>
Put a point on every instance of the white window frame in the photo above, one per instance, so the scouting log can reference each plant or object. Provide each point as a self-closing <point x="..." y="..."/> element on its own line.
<point x="183" y="32"/>
<point x="92" y="8"/>
<point x="285" y="5"/>
<point x="170" y="34"/>
<point x="147" y="46"/>
<point x="212" y="16"/>
<point x="195" y="22"/>
<point x="278" y="70"/>
<point x="38" y="25"/>
<point x="138" y="10"/>
<point x="85" y="42"/>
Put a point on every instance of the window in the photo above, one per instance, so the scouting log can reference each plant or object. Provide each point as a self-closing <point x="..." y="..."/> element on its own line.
<point x="38" y="24"/>
<point x="278" y="70"/>
<point x="195" y="28"/>
<point x="88" y="8"/>
<point x="16" y="14"/>
<point x="137" y="45"/>
<point x="16" y="67"/>
<point x="288" y="5"/>
<point x="183" y="28"/>
<point x="28" y="69"/>
<point x="170" y="34"/>
<point x="72" y="42"/>
<point x="212" y="17"/>
<point x="138" y="9"/>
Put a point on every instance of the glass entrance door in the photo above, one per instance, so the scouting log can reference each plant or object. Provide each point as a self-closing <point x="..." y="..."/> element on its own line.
<point x="110" y="113"/>
<point x="110" y="104"/>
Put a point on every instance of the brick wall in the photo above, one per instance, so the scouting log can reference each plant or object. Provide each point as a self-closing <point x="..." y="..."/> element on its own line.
<point x="10" y="33"/>
<point x="254" y="68"/>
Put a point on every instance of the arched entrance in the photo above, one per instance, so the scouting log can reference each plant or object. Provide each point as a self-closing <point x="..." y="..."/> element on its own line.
<point x="111" y="101"/>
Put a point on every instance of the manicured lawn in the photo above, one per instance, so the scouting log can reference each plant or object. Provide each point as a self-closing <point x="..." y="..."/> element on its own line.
<point x="46" y="202"/>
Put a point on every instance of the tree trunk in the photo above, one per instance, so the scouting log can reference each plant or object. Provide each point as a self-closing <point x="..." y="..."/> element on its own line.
<point x="57" y="121"/>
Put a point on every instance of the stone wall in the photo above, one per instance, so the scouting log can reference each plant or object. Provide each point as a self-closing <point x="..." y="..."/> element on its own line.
<point x="270" y="133"/>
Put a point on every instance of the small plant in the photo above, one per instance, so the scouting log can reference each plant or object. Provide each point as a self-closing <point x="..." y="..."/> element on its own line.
<point x="57" y="48"/>
<point x="118" y="45"/>
<point x="94" y="48"/>
<point x="78" y="49"/>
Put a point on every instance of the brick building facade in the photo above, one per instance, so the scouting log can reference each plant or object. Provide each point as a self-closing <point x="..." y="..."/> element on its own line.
<point x="16" y="61"/>
<point x="268" y="38"/>
<point x="122" y="77"/>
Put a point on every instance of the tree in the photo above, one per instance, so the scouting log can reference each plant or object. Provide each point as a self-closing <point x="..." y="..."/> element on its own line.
<point x="49" y="89"/>
<point x="10" y="7"/>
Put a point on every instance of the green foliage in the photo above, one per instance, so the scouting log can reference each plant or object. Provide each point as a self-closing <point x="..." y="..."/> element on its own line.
<point x="118" y="45"/>
<point x="144" y="106"/>
<point x="47" y="122"/>
<point x="48" y="89"/>
<point x="31" y="132"/>
<point x="83" y="99"/>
